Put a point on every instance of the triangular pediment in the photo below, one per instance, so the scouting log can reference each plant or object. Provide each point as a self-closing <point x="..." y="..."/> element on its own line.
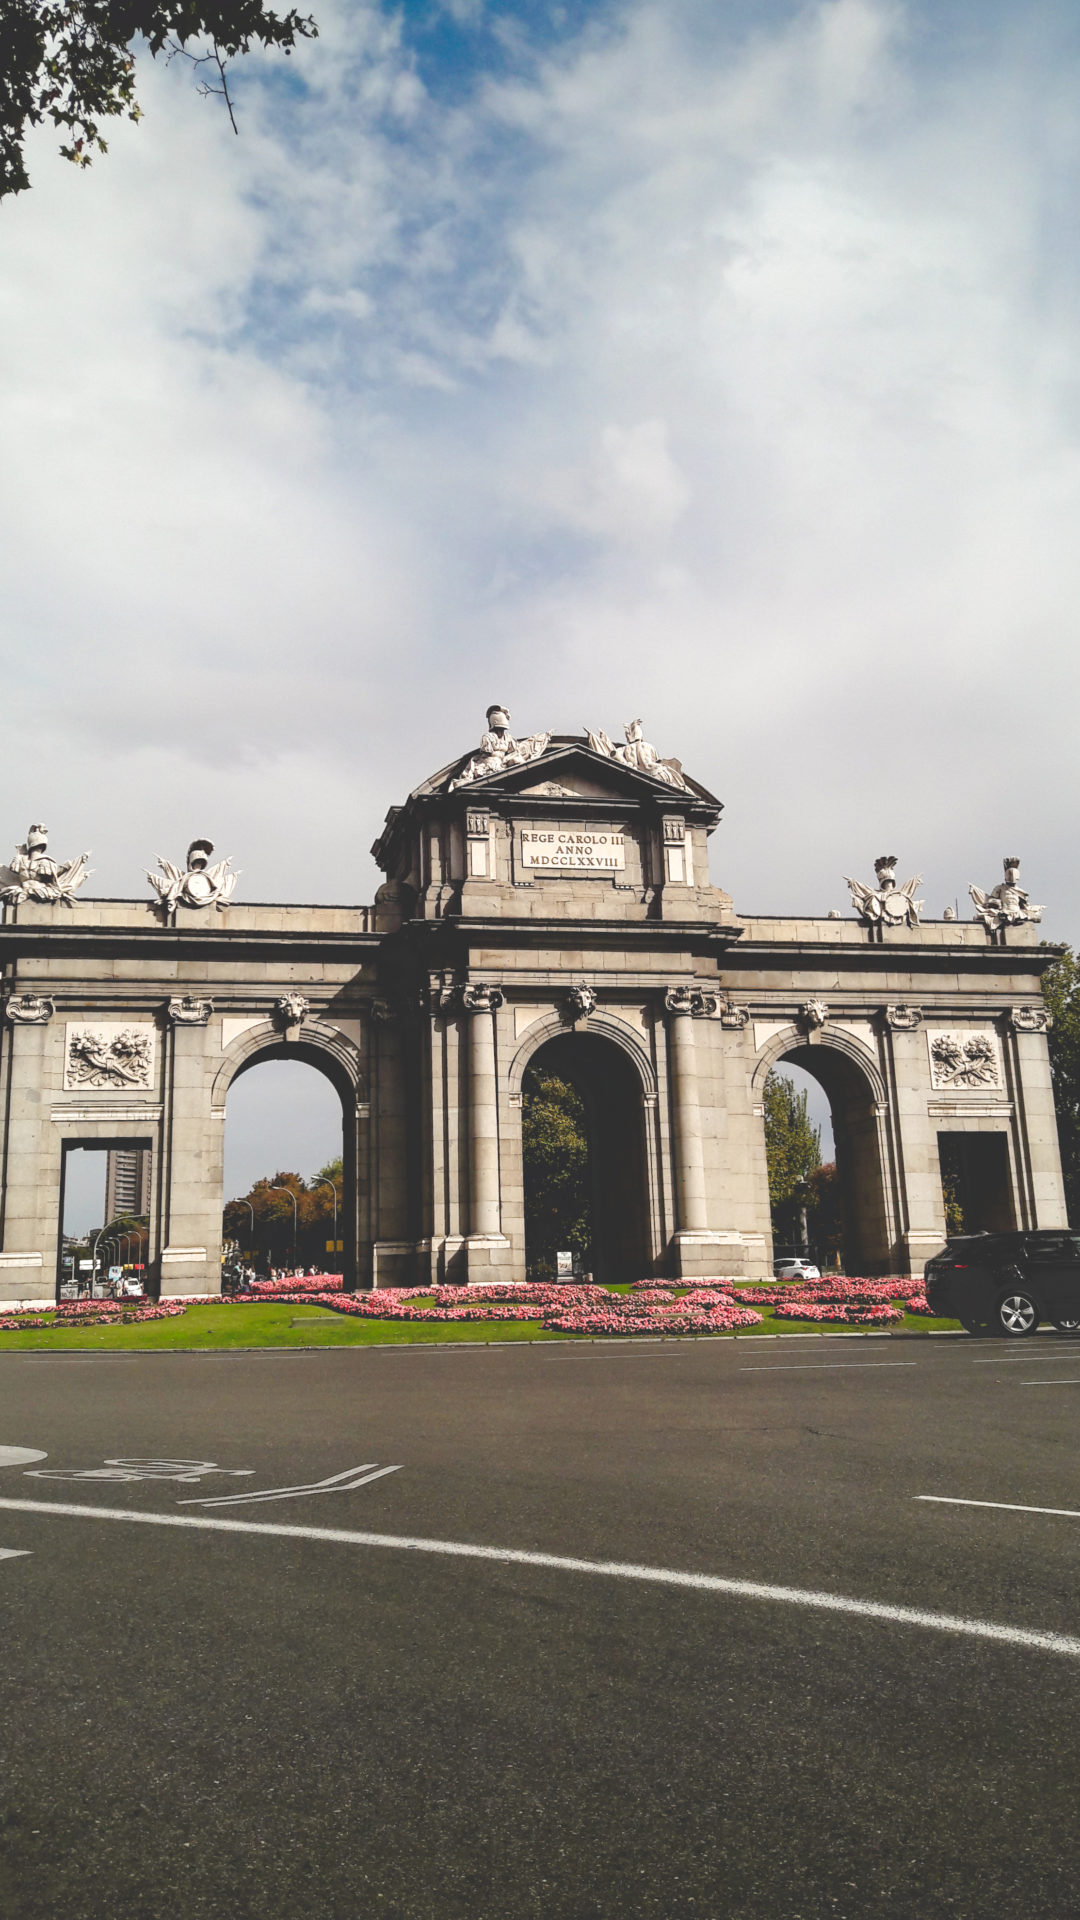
<point x="570" y="769"/>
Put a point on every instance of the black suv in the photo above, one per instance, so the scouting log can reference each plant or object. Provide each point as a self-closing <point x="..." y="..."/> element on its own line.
<point x="1008" y="1282"/>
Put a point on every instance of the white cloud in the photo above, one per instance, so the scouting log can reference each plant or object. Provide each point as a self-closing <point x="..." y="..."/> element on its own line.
<point x="732" y="381"/>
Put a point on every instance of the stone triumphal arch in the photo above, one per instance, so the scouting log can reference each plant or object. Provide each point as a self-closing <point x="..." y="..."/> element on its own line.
<point x="548" y="899"/>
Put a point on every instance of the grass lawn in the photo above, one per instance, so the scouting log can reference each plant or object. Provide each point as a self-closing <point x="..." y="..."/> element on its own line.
<point x="274" y="1324"/>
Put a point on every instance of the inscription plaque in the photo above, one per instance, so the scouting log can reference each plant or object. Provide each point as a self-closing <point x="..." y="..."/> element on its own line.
<point x="572" y="850"/>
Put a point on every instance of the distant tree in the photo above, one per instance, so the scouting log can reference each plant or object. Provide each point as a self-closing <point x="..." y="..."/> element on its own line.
<point x="277" y="1240"/>
<point x="555" y="1150"/>
<point x="72" y="62"/>
<point x="1061" y="992"/>
<point x="793" y="1147"/>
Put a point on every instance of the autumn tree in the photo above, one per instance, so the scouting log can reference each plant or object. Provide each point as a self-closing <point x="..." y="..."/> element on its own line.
<point x="269" y="1232"/>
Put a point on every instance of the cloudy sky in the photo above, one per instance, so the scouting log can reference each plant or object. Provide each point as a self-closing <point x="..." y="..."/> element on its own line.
<point x="711" y="362"/>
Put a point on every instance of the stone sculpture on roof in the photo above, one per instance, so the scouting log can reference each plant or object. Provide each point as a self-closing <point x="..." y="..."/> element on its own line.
<point x="637" y="753"/>
<point x="32" y="875"/>
<point x="499" y="749"/>
<point x="887" y="904"/>
<point x="199" y="885"/>
<point x="1006" y="905"/>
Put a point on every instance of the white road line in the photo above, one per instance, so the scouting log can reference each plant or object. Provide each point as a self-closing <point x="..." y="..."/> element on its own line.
<point x="1048" y="1383"/>
<point x="1032" y="1638"/>
<point x="14" y="1553"/>
<point x="1030" y="1359"/>
<point x="20" y="1456"/>
<point x="999" y="1506"/>
<point x="827" y="1366"/>
<point x="337" y="1483"/>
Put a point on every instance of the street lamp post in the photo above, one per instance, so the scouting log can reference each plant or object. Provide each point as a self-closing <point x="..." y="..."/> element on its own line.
<point x="322" y="1181"/>
<point x="292" y="1197"/>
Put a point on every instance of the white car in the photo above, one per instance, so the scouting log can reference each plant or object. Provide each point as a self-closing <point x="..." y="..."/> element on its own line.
<point x="795" y="1270"/>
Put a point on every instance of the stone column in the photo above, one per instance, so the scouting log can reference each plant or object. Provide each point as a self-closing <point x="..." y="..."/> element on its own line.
<point x="481" y="1003"/>
<point x="689" y="1162"/>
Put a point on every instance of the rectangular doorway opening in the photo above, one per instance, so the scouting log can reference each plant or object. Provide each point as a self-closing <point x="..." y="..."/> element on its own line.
<point x="105" y="1213"/>
<point x="976" y="1183"/>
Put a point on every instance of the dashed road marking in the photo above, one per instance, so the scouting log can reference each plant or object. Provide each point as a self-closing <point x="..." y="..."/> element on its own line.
<point x="1031" y="1639"/>
<point x="826" y="1366"/>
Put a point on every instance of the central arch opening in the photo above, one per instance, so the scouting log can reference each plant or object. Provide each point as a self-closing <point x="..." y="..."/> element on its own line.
<point x="289" y="1165"/>
<point x="834" y="1212"/>
<point x="583" y="1153"/>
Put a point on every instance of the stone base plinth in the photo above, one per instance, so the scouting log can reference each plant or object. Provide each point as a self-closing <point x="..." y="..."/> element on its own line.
<point x="730" y="1255"/>
<point x="484" y="1258"/>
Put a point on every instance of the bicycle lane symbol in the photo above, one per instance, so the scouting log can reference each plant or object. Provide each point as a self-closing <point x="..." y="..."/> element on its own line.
<point x="129" y="1471"/>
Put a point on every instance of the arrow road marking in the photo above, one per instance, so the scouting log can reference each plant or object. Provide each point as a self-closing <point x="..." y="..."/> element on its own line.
<point x="14" y="1553"/>
<point x="334" y="1483"/>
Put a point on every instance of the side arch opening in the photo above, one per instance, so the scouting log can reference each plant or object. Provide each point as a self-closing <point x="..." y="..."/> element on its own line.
<point x="838" y="1214"/>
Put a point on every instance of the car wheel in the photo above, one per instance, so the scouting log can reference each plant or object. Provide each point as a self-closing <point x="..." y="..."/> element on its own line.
<point x="1067" y="1326"/>
<point x="1017" y="1314"/>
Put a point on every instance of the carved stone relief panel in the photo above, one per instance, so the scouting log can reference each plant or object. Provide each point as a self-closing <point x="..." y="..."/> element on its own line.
<point x="109" y="1053"/>
<point x="964" y="1057"/>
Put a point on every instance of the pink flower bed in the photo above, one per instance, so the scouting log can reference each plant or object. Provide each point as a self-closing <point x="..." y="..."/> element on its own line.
<point x="849" y="1316"/>
<point x="91" y="1313"/>
<point x="305" y="1283"/>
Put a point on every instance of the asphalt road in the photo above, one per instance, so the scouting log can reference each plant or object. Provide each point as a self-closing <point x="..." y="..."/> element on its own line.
<point x="227" y="1723"/>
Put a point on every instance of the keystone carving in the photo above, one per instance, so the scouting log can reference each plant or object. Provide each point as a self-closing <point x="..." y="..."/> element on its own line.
<point x="481" y="999"/>
<point x="886" y="904"/>
<point x="903" y="1019"/>
<point x="29" y="1010"/>
<point x="1006" y="905"/>
<point x="813" y="1014"/>
<point x="33" y="876"/>
<point x="1031" y="1019"/>
<point x="292" y="1010"/>
<point x="580" y="1002"/>
<point x="189" y="1012"/>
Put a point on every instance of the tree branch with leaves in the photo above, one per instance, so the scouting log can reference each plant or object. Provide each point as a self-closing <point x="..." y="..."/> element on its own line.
<point x="74" y="65"/>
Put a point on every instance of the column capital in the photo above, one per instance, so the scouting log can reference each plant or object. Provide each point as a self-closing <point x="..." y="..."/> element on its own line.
<point x="903" y="1019"/>
<point x="29" y="1010"/>
<point x="479" y="998"/>
<point x="189" y="1012"/>
<point x="683" y="1000"/>
<point x="1030" y="1019"/>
